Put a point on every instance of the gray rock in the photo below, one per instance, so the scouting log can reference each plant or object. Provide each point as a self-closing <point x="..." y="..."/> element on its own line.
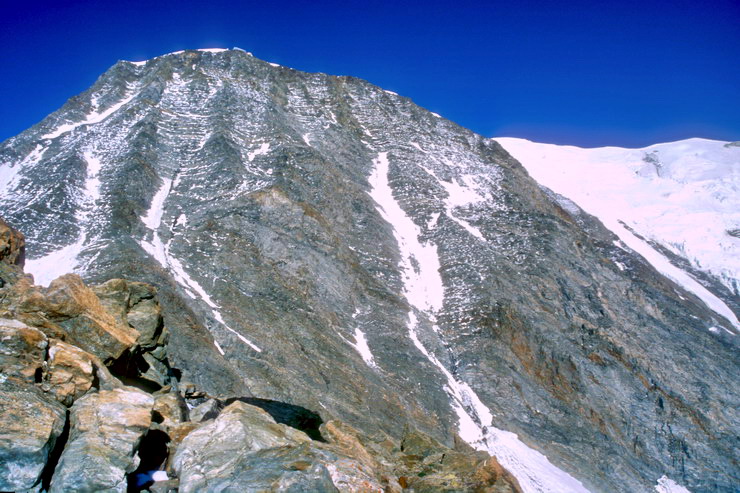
<point x="215" y="449"/>
<point x="22" y="350"/>
<point x="294" y="469"/>
<point x="207" y="410"/>
<point x="106" y="428"/>
<point x="31" y="424"/>
<point x="12" y="245"/>
<point x="71" y="372"/>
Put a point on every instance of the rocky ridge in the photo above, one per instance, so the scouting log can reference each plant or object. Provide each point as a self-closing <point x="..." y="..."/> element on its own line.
<point x="70" y="423"/>
<point x="318" y="241"/>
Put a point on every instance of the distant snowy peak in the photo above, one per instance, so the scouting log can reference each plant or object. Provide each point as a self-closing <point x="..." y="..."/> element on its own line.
<point x="681" y="195"/>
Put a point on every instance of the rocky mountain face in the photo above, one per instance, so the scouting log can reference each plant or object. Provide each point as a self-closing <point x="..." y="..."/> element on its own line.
<point x="321" y="243"/>
<point x="90" y="403"/>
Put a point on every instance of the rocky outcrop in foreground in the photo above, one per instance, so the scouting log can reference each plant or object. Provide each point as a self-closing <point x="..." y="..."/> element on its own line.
<point x="90" y="403"/>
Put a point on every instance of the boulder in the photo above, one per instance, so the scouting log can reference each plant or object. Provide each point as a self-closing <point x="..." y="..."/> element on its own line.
<point x="298" y="468"/>
<point x="206" y="410"/>
<point x="106" y="428"/>
<point x="32" y="423"/>
<point x="12" y="245"/>
<point x="134" y="304"/>
<point x="78" y="310"/>
<point x="71" y="372"/>
<point x="168" y="409"/>
<point x="177" y="433"/>
<point x="215" y="450"/>
<point x="22" y="350"/>
<point x="244" y="449"/>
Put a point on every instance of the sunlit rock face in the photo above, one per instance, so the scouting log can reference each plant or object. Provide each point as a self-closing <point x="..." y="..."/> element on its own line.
<point x="319" y="241"/>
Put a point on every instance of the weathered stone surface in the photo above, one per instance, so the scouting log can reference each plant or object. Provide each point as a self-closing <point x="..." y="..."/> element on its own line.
<point x="419" y="462"/>
<point x="298" y="469"/>
<point x="31" y="424"/>
<point x="22" y="350"/>
<point x="12" y="245"/>
<point x="207" y="410"/>
<point x="76" y="308"/>
<point x="215" y="449"/>
<point x="134" y="304"/>
<point x="177" y="433"/>
<point x="169" y="408"/>
<point x="70" y="373"/>
<point x="106" y="428"/>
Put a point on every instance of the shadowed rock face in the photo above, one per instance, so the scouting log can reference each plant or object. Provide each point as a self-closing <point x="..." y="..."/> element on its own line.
<point x="287" y="220"/>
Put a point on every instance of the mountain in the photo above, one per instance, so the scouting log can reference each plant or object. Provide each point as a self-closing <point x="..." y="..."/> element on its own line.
<point x="318" y="241"/>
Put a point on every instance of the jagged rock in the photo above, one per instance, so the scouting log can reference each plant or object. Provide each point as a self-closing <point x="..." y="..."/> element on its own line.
<point x="428" y="466"/>
<point x="22" y="350"/>
<point x="156" y="371"/>
<point x="106" y="428"/>
<point x="169" y="486"/>
<point x="177" y="433"/>
<point x="347" y="441"/>
<point x="420" y="461"/>
<point x="169" y="408"/>
<point x="78" y="310"/>
<point x="206" y="410"/>
<point x="12" y="245"/>
<point x="134" y="304"/>
<point x="31" y="424"/>
<point x="71" y="372"/>
<point x="299" y="469"/>
<point x="69" y="311"/>
<point x="215" y="450"/>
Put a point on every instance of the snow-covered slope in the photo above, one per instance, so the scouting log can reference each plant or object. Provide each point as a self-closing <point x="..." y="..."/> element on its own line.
<point x="682" y="195"/>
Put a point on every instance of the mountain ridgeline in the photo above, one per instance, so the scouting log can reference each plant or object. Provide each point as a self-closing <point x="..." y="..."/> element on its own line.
<point x="319" y="241"/>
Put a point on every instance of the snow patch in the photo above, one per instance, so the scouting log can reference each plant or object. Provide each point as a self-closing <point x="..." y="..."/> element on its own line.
<point x="92" y="182"/>
<point x="8" y="172"/>
<point x="423" y="284"/>
<point x="63" y="261"/>
<point x="161" y="252"/>
<point x="666" y="485"/>
<point x="263" y="149"/>
<point x="424" y="290"/>
<point x="665" y="267"/>
<point x="305" y="138"/>
<point x="218" y="346"/>
<point x="362" y="347"/>
<point x="459" y="196"/>
<point x="91" y="118"/>
<point x="153" y="217"/>
<point x="217" y="316"/>
<point x="433" y="221"/>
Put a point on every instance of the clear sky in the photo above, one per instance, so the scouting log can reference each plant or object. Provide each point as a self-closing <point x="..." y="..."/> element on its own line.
<point x="589" y="73"/>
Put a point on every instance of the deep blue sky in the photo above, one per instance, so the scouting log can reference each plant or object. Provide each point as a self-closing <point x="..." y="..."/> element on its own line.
<point x="589" y="73"/>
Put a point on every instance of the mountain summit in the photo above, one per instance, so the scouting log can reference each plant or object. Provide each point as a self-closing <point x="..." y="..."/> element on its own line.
<point x="320" y="241"/>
